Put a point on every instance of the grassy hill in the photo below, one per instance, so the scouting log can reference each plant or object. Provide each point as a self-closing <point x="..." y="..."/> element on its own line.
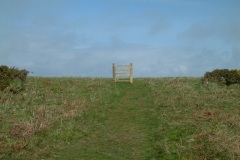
<point x="93" y="118"/>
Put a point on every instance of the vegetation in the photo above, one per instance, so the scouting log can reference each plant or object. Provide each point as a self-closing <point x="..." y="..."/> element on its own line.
<point x="12" y="79"/>
<point x="222" y="76"/>
<point x="93" y="118"/>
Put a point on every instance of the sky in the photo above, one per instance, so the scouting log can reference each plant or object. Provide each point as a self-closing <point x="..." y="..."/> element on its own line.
<point x="83" y="38"/>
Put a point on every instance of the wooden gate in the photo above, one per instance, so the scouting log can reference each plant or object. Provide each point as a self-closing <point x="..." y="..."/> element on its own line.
<point x="123" y="73"/>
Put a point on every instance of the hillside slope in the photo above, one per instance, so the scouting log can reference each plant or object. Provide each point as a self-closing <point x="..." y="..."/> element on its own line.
<point x="93" y="118"/>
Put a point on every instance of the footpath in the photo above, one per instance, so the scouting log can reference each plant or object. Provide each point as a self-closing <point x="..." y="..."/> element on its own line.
<point x="123" y="132"/>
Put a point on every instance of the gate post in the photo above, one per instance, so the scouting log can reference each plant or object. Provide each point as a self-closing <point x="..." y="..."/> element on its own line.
<point x="114" y="73"/>
<point x="131" y="72"/>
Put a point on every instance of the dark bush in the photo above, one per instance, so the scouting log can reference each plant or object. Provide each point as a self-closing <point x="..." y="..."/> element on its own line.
<point x="222" y="76"/>
<point x="12" y="79"/>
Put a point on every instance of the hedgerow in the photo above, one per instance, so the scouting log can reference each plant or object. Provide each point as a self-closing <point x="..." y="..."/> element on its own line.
<point x="222" y="76"/>
<point x="12" y="79"/>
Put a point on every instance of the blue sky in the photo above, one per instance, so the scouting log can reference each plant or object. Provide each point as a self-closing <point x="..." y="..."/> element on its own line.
<point x="162" y="38"/>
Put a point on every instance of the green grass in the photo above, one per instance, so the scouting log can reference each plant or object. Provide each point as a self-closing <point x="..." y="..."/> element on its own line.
<point x="94" y="118"/>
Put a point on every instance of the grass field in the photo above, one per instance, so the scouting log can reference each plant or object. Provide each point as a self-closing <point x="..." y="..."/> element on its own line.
<point x="93" y="118"/>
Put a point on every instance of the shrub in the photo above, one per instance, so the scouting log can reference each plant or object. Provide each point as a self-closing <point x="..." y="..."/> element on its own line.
<point x="222" y="76"/>
<point x="12" y="79"/>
